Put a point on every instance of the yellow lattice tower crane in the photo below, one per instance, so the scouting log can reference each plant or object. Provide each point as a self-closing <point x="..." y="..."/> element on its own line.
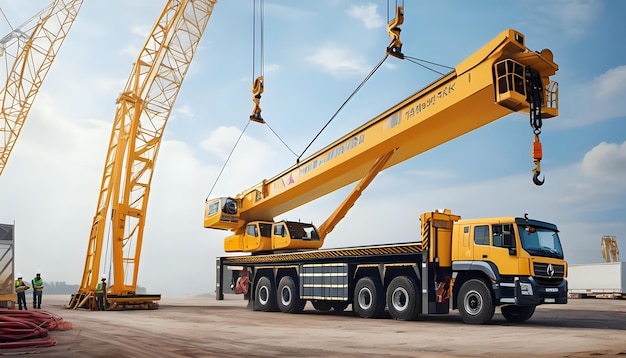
<point x="142" y="112"/>
<point x="32" y="47"/>
<point x="610" y="251"/>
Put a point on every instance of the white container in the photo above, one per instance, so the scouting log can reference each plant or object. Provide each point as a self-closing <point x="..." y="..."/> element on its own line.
<point x="597" y="279"/>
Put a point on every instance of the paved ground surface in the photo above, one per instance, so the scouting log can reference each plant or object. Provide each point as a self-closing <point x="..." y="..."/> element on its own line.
<point x="204" y="327"/>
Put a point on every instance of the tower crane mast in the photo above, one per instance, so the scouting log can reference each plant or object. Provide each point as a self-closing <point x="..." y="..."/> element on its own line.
<point x="142" y="112"/>
<point x="36" y="48"/>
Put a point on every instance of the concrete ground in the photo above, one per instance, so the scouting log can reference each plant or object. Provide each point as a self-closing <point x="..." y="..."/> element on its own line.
<point x="204" y="327"/>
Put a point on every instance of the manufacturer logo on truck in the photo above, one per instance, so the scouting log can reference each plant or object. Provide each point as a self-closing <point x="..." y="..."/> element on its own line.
<point x="550" y="270"/>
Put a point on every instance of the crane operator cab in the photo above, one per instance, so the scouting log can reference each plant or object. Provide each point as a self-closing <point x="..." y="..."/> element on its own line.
<point x="258" y="236"/>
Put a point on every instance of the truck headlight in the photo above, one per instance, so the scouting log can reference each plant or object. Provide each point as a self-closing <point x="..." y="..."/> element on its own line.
<point x="526" y="288"/>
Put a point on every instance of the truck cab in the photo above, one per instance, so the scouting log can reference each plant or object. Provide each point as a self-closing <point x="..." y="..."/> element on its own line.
<point x="520" y="260"/>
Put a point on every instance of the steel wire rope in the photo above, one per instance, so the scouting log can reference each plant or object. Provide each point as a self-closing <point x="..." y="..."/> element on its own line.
<point x="262" y="45"/>
<point x="6" y="19"/>
<point x="401" y="2"/>
<point x="369" y="75"/>
<point x="279" y="138"/>
<point x="417" y="61"/>
<point x="106" y="253"/>
<point x="227" y="159"/>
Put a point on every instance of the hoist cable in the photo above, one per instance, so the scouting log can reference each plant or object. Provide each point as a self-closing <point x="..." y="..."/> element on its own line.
<point x="6" y="18"/>
<point x="418" y="60"/>
<point x="227" y="159"/>
<point x="388" y="12"/>
<point x="279" y="138"/>
<point x="343" y="105"/>
<point x="261" y="45"/>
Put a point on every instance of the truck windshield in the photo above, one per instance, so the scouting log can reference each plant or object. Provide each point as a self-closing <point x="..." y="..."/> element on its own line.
<point x="540" y="241"/>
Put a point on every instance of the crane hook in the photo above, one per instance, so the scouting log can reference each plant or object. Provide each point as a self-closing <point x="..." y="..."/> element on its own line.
<point x="393" y="28"/>
<point x="257" y="90"/>
<point x="536" y="174"/>
<point x="537" y="156"/>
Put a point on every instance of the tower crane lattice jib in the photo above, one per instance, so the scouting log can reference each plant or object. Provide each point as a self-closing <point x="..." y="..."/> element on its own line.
<point x="37" y="45"/>
<point x="141" y="115"/>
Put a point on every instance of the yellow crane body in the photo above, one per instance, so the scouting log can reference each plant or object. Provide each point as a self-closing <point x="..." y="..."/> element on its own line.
<point x="488" y="85"/>
<point x="36" y="47"/>
<point x="142" y="112"/>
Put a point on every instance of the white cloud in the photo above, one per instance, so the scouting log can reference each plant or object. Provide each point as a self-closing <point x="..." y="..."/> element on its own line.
<point x="606" y="161"/>
<point x="567" y="18"/>
<point x="185" y="110"/>
<point x="338" y="61"/>
<point x="604" y="100"/>
<point x="367" y="14"/>
<point x="575" y="15"/>
<point x="610" y="85"/>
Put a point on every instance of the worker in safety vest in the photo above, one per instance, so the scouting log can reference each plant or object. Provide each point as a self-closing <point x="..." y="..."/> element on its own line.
<point x="101" y="291"/>
<point x="20" y="288"/>
<point x="37" y="289"/>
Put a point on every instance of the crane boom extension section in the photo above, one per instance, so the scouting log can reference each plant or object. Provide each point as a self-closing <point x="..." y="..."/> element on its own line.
<point x="140" y="118"/>
<point x="36" y="48"/>
<point x="490" y="84"/>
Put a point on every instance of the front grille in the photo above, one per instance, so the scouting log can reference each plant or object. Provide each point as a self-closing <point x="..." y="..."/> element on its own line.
<point x="548" y="271"/>
<point x="553" y="282"/>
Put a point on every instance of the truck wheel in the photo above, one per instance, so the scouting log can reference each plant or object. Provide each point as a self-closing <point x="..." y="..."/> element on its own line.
<point x="475" y="302"/>
<point x="265" y="296"/>
<point x="402" y="299"/>
<point x="288" y="297"/>
<point x="323" y="306"/>
<point x="369" y="299"/>
<point x="517" y="314"/>
<point x="340" y="306"/>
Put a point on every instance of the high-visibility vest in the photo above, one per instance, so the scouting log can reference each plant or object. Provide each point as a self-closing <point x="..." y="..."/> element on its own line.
<point x="99" y="287"/>
<point x="38" y="284"/>
<point x="20" y="286"/>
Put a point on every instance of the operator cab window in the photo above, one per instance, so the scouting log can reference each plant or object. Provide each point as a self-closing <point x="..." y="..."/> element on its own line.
<point x="279" y="230"/>
<point x="481" y="235"/>
<point x="252" y="231"/>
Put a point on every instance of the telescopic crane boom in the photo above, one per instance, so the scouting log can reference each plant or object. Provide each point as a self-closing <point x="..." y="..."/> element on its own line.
<point x="36" y="48"/>
<point x="502" y="77"/>
<point x="140" y="118"/>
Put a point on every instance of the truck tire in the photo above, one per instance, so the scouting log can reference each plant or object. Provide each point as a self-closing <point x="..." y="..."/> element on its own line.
<point x="517" y="314"/>
<point x="475" y="302"/>
<point x="369" y="298"/>
<point x="265" y="295"/>
<point x="322" y="306"/>
<point x="288" y="297"/>
<point x="403" y="300"/>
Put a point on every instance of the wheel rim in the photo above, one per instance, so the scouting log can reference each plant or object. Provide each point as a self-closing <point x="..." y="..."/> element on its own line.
<point x="400" y="299"/>
<point x="285" y="296"/>
<point x="473" y="302"/>
<point x="365" y="298"/>
<point x="264" y="295"/>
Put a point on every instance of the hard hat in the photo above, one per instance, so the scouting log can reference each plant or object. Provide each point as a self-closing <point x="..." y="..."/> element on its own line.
<point x="38" y="272"/>
<point x="19" y="275"/>
<point x="104" y="277"/>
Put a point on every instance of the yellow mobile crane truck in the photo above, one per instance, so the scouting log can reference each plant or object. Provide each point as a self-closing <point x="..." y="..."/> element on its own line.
<point x="516" y="263"/>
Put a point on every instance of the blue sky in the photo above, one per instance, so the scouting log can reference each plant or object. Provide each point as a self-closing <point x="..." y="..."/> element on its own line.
<point x="316" y="53"/>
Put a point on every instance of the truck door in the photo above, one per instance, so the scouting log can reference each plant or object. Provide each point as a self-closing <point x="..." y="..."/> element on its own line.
<point x="481" y="242"/>
<point x="503" y="257"/>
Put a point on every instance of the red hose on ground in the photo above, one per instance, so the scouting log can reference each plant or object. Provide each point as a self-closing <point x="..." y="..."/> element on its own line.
<point x="29" y="328"/>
